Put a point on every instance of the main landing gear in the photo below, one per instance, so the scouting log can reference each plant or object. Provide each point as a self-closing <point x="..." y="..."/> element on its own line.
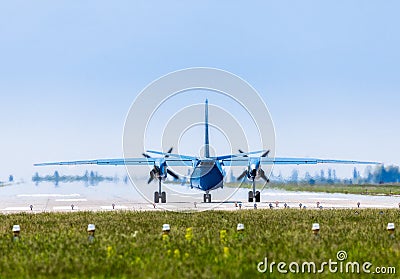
<point x="207" y="197"/>
<point x="160" y="195"/>
<point x="254" y="195"/>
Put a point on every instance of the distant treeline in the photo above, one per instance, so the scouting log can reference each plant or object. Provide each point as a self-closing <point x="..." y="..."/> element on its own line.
<point x="10" y="180"/>
<point x="91" y="178"/>
<point x="377" y="175"/>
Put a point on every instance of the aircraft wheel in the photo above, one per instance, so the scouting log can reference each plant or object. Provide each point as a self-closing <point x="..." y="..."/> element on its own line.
<point x="250" y="196"/>
<point x="163" y="197"/>
<point x="205" y="198"/>
<point x="156" y="197"/>
<point x="258" y="196"/>
<point x="209" y="197"/>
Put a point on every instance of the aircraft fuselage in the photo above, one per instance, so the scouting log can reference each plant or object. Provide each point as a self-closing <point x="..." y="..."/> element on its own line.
<point x="207" y="175"/>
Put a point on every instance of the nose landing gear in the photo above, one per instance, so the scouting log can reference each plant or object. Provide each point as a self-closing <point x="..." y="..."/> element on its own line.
<point x="207" y="197"/>
<point x="254" y="195"/>
<point x="160" y="195"/>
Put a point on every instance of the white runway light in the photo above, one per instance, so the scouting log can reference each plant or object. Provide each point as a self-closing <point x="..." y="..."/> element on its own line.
<point x="16" y="230"/>
<point x="315" y="228"/>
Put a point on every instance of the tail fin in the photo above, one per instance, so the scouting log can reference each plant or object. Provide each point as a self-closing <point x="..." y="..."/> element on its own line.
<point x="206" y="141"/>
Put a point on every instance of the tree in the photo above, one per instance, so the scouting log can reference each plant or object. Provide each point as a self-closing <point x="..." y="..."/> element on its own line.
<point x="330" y="180"/>
<point x="368" y="175"/>
<point x="355" y="175"/>
<point x="309" y="179"/>
<point x="295" y="176"/>
<point x="334" y="176"/>
<point x="390" y="174"/>
<point x="322" y="176"/>
<point x="56" y="178"/>
<point x="36" y="178"/>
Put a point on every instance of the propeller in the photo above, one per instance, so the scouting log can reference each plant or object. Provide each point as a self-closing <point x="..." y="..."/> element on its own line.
<point x="152" y="175"/>
<point x="146" y="155"/>
<point x="156" y="170"/>
<point x="169" y="151"/>
<point x="261" y="172"/>
<point x="265" y="154"/>
<point x="174" y="175"/>
<point x="241" y="175"/>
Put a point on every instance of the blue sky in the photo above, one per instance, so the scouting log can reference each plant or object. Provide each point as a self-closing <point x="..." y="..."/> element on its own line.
<point x="69" y="70"/>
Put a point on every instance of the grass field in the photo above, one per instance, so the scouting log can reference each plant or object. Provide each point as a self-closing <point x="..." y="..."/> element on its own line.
<point x="55" y="245"/>
<point x="384" y="189"/>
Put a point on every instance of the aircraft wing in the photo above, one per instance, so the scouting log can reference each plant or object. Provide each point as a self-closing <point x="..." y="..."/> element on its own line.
<point x="292" y="161"/>
<point x="118" y="162"/>
<point x="305" y="161"/>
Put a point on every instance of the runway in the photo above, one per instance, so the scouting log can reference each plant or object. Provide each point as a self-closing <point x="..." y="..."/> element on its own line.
<point x="70" y="197"/>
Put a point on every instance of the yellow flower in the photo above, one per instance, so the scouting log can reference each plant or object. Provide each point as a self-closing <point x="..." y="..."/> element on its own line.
<point x="177" y="253"/>
<point x="189" y="234"/>
<point x="110" y="251"/>
<point x="222" y="235"/>
<point x="226" y="252"/>
<point x="165" y="237"/>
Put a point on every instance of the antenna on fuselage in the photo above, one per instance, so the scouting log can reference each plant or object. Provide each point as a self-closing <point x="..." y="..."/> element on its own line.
<point x="206" y="141"/>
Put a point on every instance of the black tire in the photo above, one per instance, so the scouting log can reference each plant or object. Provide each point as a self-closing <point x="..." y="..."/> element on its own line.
<point x="258" y="196"/>
<point x="156" y="197"/>
<point x="163" y="197"/>
<point x="250" y="196"/>
<point x="209" y="198"/>
<point x="205" y="198"/>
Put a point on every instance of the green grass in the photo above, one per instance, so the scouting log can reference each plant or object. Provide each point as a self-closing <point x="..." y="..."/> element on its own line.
<point x="55" y="245"/>
<point x="384" y="189"/>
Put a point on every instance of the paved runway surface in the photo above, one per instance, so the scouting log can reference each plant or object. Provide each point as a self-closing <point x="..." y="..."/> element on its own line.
<point x="68" y="197"/>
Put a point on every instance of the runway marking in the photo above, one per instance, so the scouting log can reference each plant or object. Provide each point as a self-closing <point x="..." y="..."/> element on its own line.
<point x="48" y="195"/>
<point x="294" y="193"/>
<point x="182" y="195"/>
<point x="334" y="199"/>
<point x="68" y="200"/>
<point x="116" y="207"/>
<point x="17" y="208"/>
<point x="64" y="208"/>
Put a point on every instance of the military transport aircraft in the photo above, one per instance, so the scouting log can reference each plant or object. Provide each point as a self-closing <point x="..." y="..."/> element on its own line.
<point x="207" y="173"/>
